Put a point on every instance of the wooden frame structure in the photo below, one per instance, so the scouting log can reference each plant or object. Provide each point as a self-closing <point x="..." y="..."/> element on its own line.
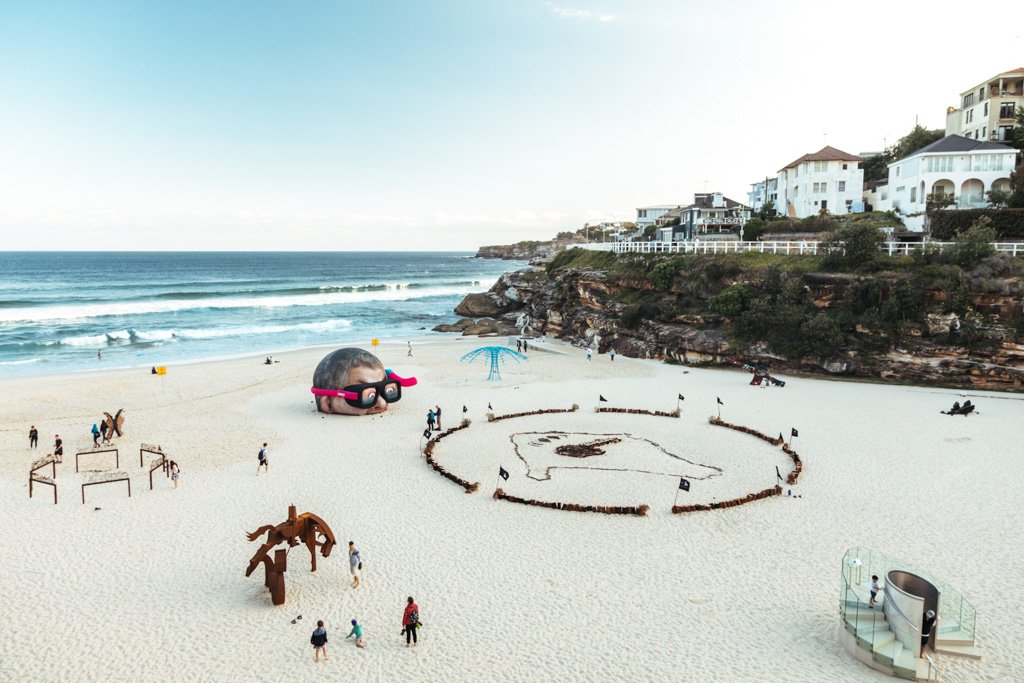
<point x="101" y="449"/>
<point x="158" y="463"/>
<point x="42" y="478"/>
<point x="149" y="448"/>
<point x="107" y="478"/>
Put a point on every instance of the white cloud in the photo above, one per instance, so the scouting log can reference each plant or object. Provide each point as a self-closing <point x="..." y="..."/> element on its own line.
<point x="587" y="14"/>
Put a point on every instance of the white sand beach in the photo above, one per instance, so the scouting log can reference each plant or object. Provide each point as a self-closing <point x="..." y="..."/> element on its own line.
<point x="152" y="588"/>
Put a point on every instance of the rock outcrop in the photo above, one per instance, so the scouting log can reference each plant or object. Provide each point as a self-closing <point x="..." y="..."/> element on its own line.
<point x="584" y="307"/>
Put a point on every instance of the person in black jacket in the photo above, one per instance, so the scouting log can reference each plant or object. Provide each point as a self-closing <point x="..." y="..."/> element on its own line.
<point x="319" y="641"/>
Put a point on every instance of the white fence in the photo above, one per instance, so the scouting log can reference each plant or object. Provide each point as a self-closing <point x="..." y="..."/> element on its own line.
<point x="791" y="248"/>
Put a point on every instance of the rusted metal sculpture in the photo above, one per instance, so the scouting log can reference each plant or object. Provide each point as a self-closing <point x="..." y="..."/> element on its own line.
<point x="296" y="529"/>
<point x="113" y="424"/>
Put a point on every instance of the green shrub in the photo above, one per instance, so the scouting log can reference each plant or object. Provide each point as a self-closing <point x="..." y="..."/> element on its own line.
<point x="1008" y="223"/>
<point x="854" y="247"/>
<point x="662" y="275"/>
<point x="732" y="300"/>
<point x="972" y="246"/>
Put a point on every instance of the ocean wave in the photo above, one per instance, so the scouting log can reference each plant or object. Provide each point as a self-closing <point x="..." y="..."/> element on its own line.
<point x="24" y="361"/>
<point x="171" y="335"/>
<point x="319" y="298"/>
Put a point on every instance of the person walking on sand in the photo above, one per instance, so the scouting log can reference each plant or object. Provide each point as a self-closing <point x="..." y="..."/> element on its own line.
<point x="519" y="345"/>
<point x="175" y="473"/>
<point x="611" y="352"/>
<point x="408" y="352"/>
<point x="410" y="621"/>
<point x="357" y="631"/>
<point x="437" y="415"/>
<point x="431" y="417"/>
<point x="355" y="563"/>
<point x="33" y="437"/>
<point x="590" y="353"/>
<point x="319" y="641"/>
<point x="58" y="448"/>
<point x="95" y="435"/>
<point x="263" y="460"/>
<point x="874" y="591"/>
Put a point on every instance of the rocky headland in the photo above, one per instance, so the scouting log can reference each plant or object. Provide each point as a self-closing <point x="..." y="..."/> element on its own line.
<point x="921" y="322"/>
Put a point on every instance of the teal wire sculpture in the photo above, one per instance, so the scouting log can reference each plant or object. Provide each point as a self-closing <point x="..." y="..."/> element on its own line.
<point x="497" y="355"/>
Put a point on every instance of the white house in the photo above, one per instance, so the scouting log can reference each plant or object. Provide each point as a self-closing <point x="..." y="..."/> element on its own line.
<point x="955" y="167"/>
<point x="987" y="110"/>
<point x="829" y="179"/>
<point x="647" y="215"/>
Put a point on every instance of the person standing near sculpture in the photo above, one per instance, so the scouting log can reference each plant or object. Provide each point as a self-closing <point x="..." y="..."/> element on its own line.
<point x="437" y="415"/>
<point x="95" y="435"/>
<point x="33" y="437"/>
<point x="355" y="563"/>
<point x="410" y="621"/>
<point x="319" y="641"/>
<point x="431" y="418"/>
<point x="58" y="448"/>
<point x="926" y="630"/>
<point x="263" y="460"/>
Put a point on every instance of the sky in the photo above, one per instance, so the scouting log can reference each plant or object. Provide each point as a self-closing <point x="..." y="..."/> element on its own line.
<point x="443" y="124"/>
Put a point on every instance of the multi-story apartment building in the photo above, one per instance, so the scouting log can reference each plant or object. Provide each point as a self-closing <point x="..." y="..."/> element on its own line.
<point x="827" y="180"/>
<point x="647" y="215"/>
<point x="763" y="192"/>
<point x="987" y="110"/>
<point x="955" y="168"/>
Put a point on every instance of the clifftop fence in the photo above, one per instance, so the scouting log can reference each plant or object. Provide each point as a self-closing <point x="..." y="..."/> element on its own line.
<point x="802" y="248"/>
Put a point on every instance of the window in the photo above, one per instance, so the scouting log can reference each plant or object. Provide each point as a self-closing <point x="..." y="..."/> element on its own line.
<point x="824" y="204"/>
<point x="970" y="116"/>
<point x="913" y="195"/>
<point x="901" y="189"/>
<point x="939" y="164"/>
<point x="985" y="113"/>
<point x="1006" y="110"/>
<point x="849" y="204"/>
<point x="820" y="166"/>
<point x="898" y="168"/>
<point x="842" y="186"/>
<point x="796" y="172"/>
<point x="845" y="166"/>
<point x="968" y="100"/>
<point x="643" y="213"/>
<point x="984" y="132"/>
<point x="796" y="191"/>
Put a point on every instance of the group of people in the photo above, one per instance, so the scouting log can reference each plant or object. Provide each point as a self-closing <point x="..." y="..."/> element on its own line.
<point x="58" y="444"/>
<point x="590" y="353"/>
<point x="410" y="622"/>
<point x="104" y="429"/>
<point x="522" y="345"/>
<point x="434" y="419"/>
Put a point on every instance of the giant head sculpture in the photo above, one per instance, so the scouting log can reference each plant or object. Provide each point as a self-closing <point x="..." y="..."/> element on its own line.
<point x="354" y="382"/>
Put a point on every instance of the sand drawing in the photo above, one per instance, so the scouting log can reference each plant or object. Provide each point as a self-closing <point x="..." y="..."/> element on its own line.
<point x="544" y="452"/>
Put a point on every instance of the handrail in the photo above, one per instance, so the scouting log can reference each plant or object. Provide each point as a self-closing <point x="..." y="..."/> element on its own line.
<point x="896" y="606"/>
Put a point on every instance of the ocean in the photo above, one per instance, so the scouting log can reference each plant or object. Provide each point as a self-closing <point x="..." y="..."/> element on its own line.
<point x="57" y="310"/>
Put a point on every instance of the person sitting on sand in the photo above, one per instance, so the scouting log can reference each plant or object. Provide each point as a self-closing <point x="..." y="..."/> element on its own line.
<point x="319" y="641"/>
<point x="357" y="631"/>
<point x="354" y="382"/>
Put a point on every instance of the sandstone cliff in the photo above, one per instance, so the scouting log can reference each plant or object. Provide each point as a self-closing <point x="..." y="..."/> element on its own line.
<point x="618" y="307"/>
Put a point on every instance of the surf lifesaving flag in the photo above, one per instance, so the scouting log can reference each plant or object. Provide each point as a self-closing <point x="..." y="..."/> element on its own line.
<point x="502" y="472"/>
<point x="684" y="485"/>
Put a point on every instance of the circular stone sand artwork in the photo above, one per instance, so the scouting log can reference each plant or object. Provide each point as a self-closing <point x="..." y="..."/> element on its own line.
<point x="615" y="461"/>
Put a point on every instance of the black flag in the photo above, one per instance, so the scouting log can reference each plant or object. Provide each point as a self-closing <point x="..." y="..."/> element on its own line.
<point x="502" y="473"/>
<point x="426" y="433"/>
<point x="719" y="401"/>
<point x="681" y="397"/>
<point x="465" y="409"/>
<point x="794" y="432"/>
<point x="602" y="398"/>
<point x="777" y="473"/>
<point x="489" y="407"/>
<point x="780" y="437"/>
<point x="684" y="485"/>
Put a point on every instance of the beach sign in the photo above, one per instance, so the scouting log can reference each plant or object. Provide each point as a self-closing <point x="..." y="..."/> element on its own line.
<point x="374" y="341"/>
<point x="161" y="370"/>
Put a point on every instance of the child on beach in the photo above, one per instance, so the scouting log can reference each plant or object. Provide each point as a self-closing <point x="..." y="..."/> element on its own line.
<point x="58" y="448"/>
<point x="357" y="631"/>
<point x="355" y="563"/>
<point x="263" y="460"/>
<point x="319" y="641"/>
<point x="410" y="621"/>
<point x="874" y="590"/>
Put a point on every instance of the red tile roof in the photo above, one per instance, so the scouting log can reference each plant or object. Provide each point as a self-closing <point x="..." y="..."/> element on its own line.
<point x="826" y="153"/>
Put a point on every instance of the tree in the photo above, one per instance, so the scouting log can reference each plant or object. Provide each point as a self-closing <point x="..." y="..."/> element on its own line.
<point x="853" y="247"/>
<point x="1016" y="138"/>
<point x="767" y="211"/>
<point x="877" y="167"/>
<point x="974" y="244"/>
<point x="998" y="198"/>
<point x="1016" y="198"/>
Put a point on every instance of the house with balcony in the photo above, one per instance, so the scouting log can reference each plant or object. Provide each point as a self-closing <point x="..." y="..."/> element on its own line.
<point x="710" y="214"/>
<point x="829" y="180"/>
<point x="987" y="110"/>
<point x="646" y="216"/>
<point x="955" y="169"/>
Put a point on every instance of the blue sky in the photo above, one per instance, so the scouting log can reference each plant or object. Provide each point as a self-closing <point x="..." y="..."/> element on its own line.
<point x="309" y="124"/>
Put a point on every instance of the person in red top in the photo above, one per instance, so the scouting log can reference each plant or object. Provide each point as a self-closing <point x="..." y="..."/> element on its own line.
<point x="410" y="620"/>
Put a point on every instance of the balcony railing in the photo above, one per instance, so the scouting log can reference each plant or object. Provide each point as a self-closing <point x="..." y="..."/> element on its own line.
<point x="724" y="220"/>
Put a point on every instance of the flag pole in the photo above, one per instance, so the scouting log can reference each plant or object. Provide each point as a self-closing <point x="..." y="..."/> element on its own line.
<point x="675" y="501"/>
